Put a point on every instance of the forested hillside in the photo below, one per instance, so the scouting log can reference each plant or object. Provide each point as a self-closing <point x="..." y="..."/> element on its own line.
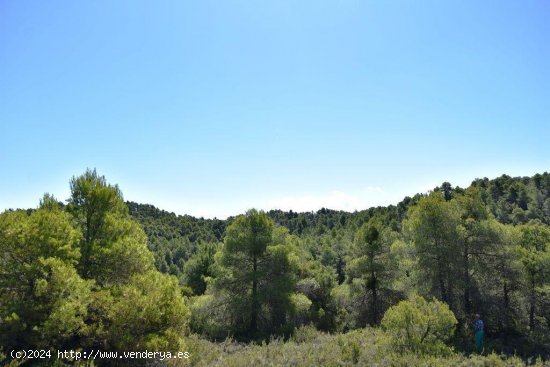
<point x="479" y="249"/>
<point x="173" y="238"/>
<point x="386" y="285"/>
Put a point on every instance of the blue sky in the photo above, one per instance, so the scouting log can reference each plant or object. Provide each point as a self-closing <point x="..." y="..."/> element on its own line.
<point x="213" y="107"/>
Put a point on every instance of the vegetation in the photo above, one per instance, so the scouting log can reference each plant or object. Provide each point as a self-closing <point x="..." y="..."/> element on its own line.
<point x="309" y="347"/>
<point x="82" y="277"/>
<point x="420" y="326"/>
<point x="396" y="285"/>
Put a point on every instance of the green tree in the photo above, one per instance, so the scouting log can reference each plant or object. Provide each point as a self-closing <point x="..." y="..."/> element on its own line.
<point x="316" y="283"/>
<point x="113" y="246"/>
<point x="200" y="267"/>
<point x="62" y="298"/>
<point x="496" y="274"/>
<point x="92" y="198"/>
<point x="480" y="241"/>
<point x="534" y="252"/>
<point x="447" y="191"/>
<point x="84" y="277"/>
<point x="256" y="272"/>
<point x="370" y="265"/>
<point x="432" y="226"/>
<point x="148" y="313"/>
<point x="43" y="301"/>
<point x="133" y="306"/>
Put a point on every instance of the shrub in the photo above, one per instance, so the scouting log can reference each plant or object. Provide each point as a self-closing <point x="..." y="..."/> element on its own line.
<point x="420" y="326"/>
<point x="305" y="334"/>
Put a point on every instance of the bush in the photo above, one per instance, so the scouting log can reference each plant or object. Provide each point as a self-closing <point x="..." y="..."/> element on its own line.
<point x="208" y="317"/>
<point x="365" y="347"/>
<point x="305" y="334"/>
<point x="420" y="326"/>
<point x="149" y="313"/>
<point x="301" y="306"/>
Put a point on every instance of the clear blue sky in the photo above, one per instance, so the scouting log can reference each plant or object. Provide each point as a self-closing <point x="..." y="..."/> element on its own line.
<point x="213" y="107"/>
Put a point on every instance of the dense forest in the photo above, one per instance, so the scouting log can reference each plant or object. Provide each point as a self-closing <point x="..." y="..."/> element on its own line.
<point x="395" y="285"/>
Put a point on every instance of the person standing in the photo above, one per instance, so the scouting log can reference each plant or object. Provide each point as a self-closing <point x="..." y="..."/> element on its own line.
<point x="479" y="333"/>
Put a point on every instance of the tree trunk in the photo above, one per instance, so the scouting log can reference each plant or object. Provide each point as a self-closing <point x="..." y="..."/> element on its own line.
<point x="87" y="246"/>
<point x="506" y="296"/>
<point x="442" y="289"/>
<point x="374" y="302"/>
<point x="503" y="319"/>
<point x="467" y="300"/>
<point x="254" y="313"/>
<point x="532" y="300"/>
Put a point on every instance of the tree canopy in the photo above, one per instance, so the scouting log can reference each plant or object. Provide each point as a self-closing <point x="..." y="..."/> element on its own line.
<point x="101" y="273"/>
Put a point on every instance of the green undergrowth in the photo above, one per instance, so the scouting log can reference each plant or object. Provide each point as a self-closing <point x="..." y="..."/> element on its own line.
<point x="308" y="347"/>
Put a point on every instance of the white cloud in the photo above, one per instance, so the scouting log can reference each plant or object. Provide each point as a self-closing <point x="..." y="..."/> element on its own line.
<point x="360" y="199"/>
<point x="374" y="189"/>
<point x="335" y="199"/>
<point x="427" y="188"/>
